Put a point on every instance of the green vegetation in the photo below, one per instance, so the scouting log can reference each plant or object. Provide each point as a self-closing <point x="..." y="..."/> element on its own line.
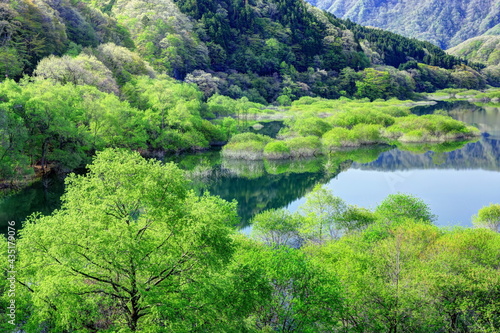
<point x="47" y="123"/>
<point x="307" y="146"/>
<point x="276" y="150"/>
<point x="246" y="146"/>
<point x="484" y="49"/>
<point x="429" y="128"/>
<point x="488" y="217"/>
<point x="95" y="74"/>
<point x="276" y="227"/>
<point x="490" y="95"/>
<point x="398" y="207"/>
<point x="131" y="249"/>
<point x="350" y="124"/>
<point x="277" y="53"/>
<point x="130" y="263"/>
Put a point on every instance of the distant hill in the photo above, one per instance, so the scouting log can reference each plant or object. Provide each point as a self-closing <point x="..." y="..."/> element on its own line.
<point x="485" y="49"/>
<point x="443" y="22"/>
<point x="493" y="31"/>
<point x="260" y="50"/>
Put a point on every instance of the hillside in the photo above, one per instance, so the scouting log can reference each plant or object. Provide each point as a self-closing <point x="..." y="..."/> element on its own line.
<point x="444" y="23"/>
<point x="260" y="50"/>
<point x="484" y="49"/>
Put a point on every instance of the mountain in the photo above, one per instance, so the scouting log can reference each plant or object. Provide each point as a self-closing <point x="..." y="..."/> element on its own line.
<point x="493" y="31"/>
<point x="484" y="49"/>
<point x="260" y="50"/>
<point x="443" y="22"/>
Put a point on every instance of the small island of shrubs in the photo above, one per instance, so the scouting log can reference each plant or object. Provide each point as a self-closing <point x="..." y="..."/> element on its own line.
<point x="318" y="126"/>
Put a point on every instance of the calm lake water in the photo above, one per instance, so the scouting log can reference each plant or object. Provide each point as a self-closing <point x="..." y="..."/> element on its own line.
<point x="456" y="180"/>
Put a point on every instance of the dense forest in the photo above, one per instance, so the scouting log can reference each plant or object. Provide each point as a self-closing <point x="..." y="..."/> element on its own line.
<point x="113" y="88"/>
<point x="130" y="263"/>
<point x="157" y="76"/>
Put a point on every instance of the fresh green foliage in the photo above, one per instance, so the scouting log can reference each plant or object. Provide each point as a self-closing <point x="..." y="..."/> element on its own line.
<point x="323" y="215"/>
<point x="429" y="128"/>
<point x="350" y="118"/>
<point x="81" y="70"/>
<point x="304" y="146"/>
<point x="276" y="227"/>
<point x="352" y="124"/>
<point x="276" y="150"/>
<point x="32" y="30"/>
<point x="247" y="146"/>
<point x="122" y="62"/>
<point x="484" y="49"/>
<point x="398" y="207"/>
<point x="415" y="277"/>
<point x="305" y="298"/>
<point x="339" y="137"/>
<point x="124" y="251"/>
<point x="488" y="217"/>
<point x="60" y="126"/>
<point x="128" y="262"/>
<point x="277" y="52"/>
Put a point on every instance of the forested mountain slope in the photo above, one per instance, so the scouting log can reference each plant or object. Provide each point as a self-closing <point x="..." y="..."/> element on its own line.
<point x="255" y="49"/>
<point x="485" y="49"/>
<point x="444" y="23"/>
<point x="79" y="76"/>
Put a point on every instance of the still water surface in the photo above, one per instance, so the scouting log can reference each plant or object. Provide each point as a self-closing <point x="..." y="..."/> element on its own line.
<point x="455" y="180"/>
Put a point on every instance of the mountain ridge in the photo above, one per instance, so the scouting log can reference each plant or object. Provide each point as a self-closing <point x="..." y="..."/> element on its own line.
<point x="444" y="23"/>
<point x="261" y="50"/>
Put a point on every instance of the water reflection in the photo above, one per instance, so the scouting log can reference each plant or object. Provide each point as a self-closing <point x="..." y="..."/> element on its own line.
<point x="456" y="179"/>
<point x="483" y="154"/>
<point x="42" y="196"/>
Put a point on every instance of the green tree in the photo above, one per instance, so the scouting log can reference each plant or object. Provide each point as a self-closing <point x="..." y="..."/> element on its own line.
<point x="53" y="116"/>
<point x="488" y="217"/>
<point x="130" y="247"/>
<point x="379" y="270"/>
<point x="397" y="207"/>
<point x="81" y="70"/>
<point x="111" y="122"/>
<point x="461" y="275"/>
<point x="304" y="297"/>
<point x="14" y="161"/>
<point x="276" y="227"/>
<point x="324" y="214"/>
<point x="122" y="62"/>
<point x="11" y="65"/>
<point x="375" y="84"/>
<point x="172" y="112"/>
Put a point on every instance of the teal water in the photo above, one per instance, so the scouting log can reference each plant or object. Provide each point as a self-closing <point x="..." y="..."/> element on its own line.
<point x="456" y="180"/>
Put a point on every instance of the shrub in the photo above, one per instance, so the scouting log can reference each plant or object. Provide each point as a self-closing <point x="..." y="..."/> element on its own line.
<point x="284" y="100"/>
<point x="245" y="137"/>
<point x="276" y="150"/>
<point x="311" y="126"/>
<point x="248" y="146"/>
<point x="352" y="118"/>
<point x="340" y="137"/>
<point x="304" y="146"/>
<point x="367" y="134"/>
<point x="429" y="128"/>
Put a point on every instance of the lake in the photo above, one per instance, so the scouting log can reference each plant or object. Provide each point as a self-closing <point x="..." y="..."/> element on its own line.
<point x="456" y="180"/>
